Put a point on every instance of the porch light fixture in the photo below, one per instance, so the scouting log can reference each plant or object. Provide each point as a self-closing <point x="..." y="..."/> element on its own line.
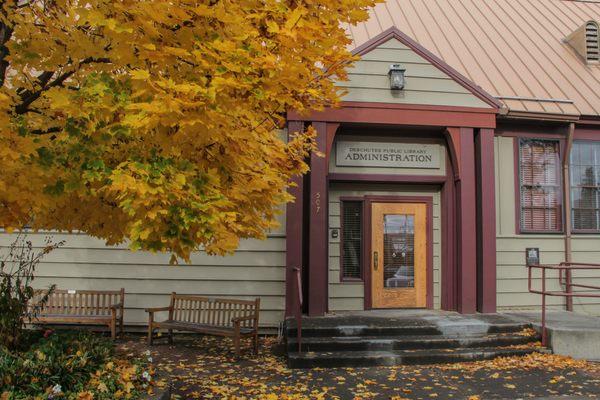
<point x="396" y="74"/>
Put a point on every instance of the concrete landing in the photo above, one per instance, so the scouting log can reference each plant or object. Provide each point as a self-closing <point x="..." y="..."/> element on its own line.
<point x="405" y="337"/>
<point x="440" y="322"/>
<point x="569" y="333"/>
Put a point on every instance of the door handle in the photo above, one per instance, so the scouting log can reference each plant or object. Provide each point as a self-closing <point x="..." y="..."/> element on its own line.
<point x="375" y="260"/>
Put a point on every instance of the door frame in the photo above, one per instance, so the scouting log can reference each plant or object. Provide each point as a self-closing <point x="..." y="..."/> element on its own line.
<point x="367" y="237"/>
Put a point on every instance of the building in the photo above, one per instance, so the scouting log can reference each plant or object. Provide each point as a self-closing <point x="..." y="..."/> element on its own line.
<point x="429" y="195"/>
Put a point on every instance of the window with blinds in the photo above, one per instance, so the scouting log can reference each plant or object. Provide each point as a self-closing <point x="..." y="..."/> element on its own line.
<point x="585" y="186"/>
<point x="539" y="175"/>
<point x="351" y="260"/>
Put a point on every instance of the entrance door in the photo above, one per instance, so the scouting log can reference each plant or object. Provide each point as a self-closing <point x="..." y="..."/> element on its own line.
<point x="399" y="255"/>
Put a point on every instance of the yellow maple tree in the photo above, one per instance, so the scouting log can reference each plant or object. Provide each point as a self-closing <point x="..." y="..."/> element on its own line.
<point x="157" y="122"/>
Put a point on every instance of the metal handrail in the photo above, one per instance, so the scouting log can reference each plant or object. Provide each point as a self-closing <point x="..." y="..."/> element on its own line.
<point x="565" y="273"/>
<point x="298" y="306"/>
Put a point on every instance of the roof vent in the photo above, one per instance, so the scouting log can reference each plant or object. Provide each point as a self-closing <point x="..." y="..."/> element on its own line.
<point x="586" y="41"/>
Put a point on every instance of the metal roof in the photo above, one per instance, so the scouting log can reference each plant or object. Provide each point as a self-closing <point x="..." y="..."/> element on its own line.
<point x="513" y="49"/>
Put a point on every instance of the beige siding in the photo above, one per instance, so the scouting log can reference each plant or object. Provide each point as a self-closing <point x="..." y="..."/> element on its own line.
<point x="257" y="269"/>
<point x="441" y="171"/>
<point x="347" y="296"/>
<point x="425" y="83"/>
<point x="512" y="287"/>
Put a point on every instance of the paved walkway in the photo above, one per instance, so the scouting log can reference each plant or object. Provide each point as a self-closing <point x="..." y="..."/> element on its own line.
<point x="204" y="368"/>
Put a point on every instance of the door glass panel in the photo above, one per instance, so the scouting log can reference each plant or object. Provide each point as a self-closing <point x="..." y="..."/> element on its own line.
<point x="398" y="251"/>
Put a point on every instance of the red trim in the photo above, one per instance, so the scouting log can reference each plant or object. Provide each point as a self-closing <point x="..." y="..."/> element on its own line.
<point x="400" y="114"/>
<point x="428" y="201"/>
<point x="453" y="141"/>
<point x="387" y="178"/>
<point x="331" y="131"/>
<point x="586" y="134"/>
<point x="585" y="231"/>
<point x="395" y="33"/>
<point x="539" y="129"/>
<point x="421" y="107"/>
<point x="533" y="135"/>
<point x="589" y="120"/>
<point x="293" y="230"/>
<point x="517" y="175"/>
<point x="318" y="228"/>
<point x="355" y="199"/>
<point x="486" y="224"/>
<point x="463" y="141"/>
<point x="578" y="140"/>
<point x="449" y="265"/>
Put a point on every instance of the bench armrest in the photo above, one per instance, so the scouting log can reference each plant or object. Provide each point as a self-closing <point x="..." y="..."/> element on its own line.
<point x="156" y="309"/>
<point x="117" y="306"/>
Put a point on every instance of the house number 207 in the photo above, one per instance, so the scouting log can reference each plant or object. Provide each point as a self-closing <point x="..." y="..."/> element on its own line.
<point x="317" y="202"/>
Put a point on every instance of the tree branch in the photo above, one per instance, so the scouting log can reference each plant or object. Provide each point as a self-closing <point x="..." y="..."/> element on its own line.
<point x="29" y="96"/>
<point x="5" y="34"/>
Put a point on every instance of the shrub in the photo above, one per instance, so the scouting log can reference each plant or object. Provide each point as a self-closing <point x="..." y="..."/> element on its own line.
<point x="17" y="268"/>
<point x="70" y="366"/>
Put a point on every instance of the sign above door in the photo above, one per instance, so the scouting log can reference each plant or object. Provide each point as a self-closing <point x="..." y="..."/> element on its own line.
<point x="387" y="155"/>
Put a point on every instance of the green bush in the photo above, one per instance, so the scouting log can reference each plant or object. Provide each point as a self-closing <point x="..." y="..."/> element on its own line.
<point x="69" y="366"/>
<point x="17" y="268"/>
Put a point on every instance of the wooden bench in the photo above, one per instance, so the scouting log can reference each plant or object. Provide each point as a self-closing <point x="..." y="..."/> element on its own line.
<point x="218" y="317"/>
<point x="94" y="307"/>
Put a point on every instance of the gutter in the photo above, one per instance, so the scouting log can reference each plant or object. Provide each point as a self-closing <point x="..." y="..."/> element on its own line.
<point x="567" y="208"/>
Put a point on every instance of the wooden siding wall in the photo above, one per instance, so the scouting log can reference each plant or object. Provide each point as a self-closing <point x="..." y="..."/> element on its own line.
<point x="425" y="83"/>
<point x="512" y="291"/>
<point x="257" y="269"/>
<point x="349" y="296"/>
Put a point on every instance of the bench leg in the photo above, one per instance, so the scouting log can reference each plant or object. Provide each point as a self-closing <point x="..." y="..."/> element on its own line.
<point x="113" y="329"/>
<point x="121" y="327"/>
<point x="236" y="343"/>
<point x="256" y="343"/>
<point x="170" y="336"/>
<point x="150" y="334"/>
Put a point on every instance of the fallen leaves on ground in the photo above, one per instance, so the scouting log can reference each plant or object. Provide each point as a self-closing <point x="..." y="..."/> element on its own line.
<point x="206" y="368"/>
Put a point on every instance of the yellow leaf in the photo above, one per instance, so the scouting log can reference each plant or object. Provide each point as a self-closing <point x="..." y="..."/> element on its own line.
<point x="272" y="26"/>
<point x="140" y="74"/>
<point x="294" y="17"/>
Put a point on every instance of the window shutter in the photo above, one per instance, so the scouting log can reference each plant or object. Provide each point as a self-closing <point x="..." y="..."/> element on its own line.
<point x="351" y="259"/>
<point x="539" y="166"/>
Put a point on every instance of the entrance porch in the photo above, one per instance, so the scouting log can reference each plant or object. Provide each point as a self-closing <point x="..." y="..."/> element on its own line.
<point x="404" y="337"/>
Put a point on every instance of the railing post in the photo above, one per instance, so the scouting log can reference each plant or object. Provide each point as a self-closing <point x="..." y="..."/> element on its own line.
<point x="544" y="338"/>
<point x="569" y="278"/>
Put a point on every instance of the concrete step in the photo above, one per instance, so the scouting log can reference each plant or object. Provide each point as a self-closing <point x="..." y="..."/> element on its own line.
<point x="390" y="343"/>
<point x="400" y="357"/>
<point x="403" y="330"/>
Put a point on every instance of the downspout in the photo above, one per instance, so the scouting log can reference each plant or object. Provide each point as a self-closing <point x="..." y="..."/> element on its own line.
<point x="567" y="213"/>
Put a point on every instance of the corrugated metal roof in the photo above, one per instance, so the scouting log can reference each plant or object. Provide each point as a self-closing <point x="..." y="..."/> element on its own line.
<point x="513" y="49"/>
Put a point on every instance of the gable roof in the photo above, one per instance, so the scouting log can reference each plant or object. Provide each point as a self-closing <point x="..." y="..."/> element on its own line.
<point x="395" y="33"/>
<point x="513" y="49"/>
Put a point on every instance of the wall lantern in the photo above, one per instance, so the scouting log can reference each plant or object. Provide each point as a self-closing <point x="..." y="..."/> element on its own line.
<point x="396" y="74"/>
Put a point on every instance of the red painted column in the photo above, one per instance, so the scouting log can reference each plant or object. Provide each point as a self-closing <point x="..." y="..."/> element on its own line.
<point x="293" y="231"/>
<point x="318" y="221"/>
<point x="463" y="142"/>
<point x="486" y="222"/>
<point x="448" y="241"/>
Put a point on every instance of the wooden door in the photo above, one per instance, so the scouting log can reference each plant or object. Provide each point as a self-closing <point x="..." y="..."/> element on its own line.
<point x="399" y="255"/>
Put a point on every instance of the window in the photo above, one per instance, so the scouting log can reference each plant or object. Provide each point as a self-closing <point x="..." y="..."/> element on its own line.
<point x="585" y="186"/>
<point x="539" y="179"/>
<point x="351" y="240"/>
